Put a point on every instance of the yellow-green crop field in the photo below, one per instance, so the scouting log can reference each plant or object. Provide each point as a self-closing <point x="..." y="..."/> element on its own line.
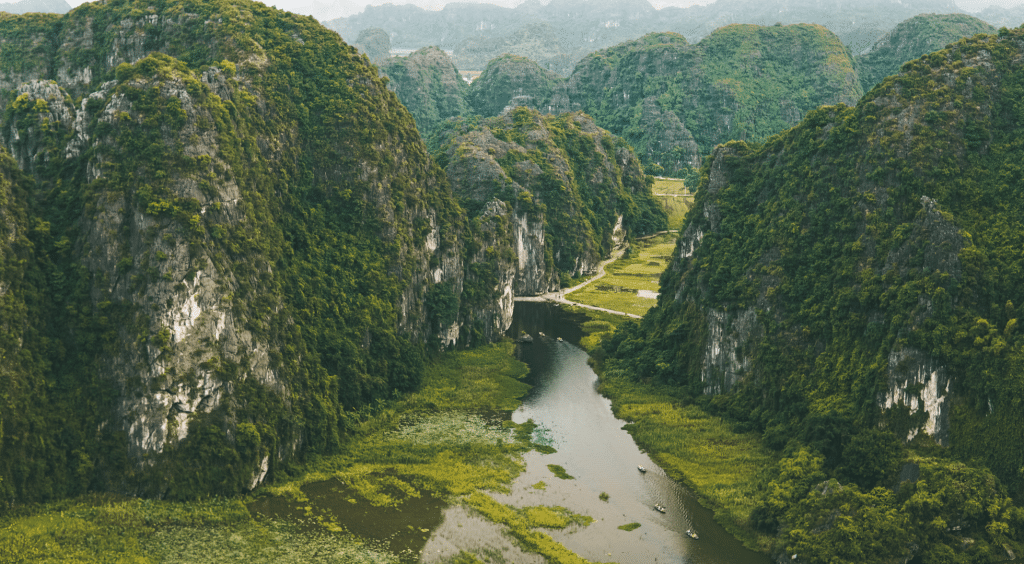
<point x="677" y="199"/>
<point x="640" y="270"/>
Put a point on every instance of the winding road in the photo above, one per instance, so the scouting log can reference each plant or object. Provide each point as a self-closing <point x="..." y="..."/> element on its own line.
<point x="559" y="296"/>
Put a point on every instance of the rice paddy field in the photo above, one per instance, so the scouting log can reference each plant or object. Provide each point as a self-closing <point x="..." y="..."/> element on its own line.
<point x="631" y="283"/>
<point x="677" y="199"/>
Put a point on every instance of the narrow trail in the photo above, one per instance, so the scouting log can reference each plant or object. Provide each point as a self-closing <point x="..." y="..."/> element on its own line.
<point x="559" y="296"/>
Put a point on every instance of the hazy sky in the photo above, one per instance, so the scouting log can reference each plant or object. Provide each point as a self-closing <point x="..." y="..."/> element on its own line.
<point x="326" y="9"/>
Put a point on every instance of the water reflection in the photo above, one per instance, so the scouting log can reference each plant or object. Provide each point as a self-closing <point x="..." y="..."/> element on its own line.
<point x="593" y="448"/>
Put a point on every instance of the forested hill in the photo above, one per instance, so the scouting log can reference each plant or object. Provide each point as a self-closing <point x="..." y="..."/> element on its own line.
<point x="674" y="101"/>
<point x="221" y="240"/>
<point x="859" y="272"/>
<point x="559" y="33"/>
<point x="524" y="176"/>
<point x="428" y="85"/>
<point x="912" y="38"/>
<point x="511" y="80"/>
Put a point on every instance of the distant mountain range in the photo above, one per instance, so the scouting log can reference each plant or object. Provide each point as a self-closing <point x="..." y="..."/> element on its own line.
<point x="559" y="34"/>
<point x="28" y="6"/>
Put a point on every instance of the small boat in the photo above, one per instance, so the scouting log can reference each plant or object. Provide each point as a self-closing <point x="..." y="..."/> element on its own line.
<point x="692" y="534"/>
<point x="559" y="339"/>
<point x="541" y="333"/>
<point x="526" y="338"/>
<point x="641" y="469"/>
<point x="659" y="507"/>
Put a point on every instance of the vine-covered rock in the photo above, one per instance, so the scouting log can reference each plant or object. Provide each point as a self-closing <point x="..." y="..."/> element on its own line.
<point x="235" y="228"/>
<point x="429" y="85"/>
<point x="912" y="38"/>
<point x="674" y="101"/>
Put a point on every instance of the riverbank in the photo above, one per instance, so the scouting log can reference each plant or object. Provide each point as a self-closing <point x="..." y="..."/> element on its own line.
<point x="722" y="467"/>
<point x="375" y="503"/>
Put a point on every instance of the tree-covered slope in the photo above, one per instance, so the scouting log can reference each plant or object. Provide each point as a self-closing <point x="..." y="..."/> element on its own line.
<point x="512" y="80"/>
<point x="236" y="227"/>
<point x="375" y="43"/>
<point x="857" y="277"/>
<point x="912" y="38"/>
<point x="558" y="34"/>
<point x="674" y="101"/>
<point x="566" y="187"/>
<point x="429" y="85"/>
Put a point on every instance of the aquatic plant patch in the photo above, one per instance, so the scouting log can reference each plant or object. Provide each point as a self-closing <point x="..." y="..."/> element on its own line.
<point x="487" y="378"/>
<point x="450" y="428"/>
<point x="521" y="528"/>
<point x="103" y="529"/>
<point x="630" y="526"/>
<point x="560" y="472"/>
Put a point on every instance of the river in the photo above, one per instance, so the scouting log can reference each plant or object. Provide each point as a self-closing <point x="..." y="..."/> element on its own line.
<point x="602" y="458"/>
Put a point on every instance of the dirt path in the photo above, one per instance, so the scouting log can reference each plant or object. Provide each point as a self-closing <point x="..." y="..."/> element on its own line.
<point x="559" y="296"/>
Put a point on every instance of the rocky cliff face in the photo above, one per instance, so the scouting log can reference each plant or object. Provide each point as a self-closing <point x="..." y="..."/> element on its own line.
<point x="854" y="265"/>
<point x="232" y="257"/>
<point x="674" y="101"/>
<point x="536" y="173"/>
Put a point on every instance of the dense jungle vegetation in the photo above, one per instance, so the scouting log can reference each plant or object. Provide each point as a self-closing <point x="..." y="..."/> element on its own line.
<point x="912" y="38"/>
<point x="871" y="252"/>
<point x="740" y="82"/>
<point x="252" y="146"/>
<point x="552" y="167"/>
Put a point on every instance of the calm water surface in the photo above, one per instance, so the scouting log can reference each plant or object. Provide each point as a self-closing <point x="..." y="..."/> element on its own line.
<point x="593" y="448"/>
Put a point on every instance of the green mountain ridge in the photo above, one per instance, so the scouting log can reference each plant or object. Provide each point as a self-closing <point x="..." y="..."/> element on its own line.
<point x="853" y="279"/>
<point x="560" y="33"/>
<point x="912" y="38"/>
<point x="223" y="242"/>
<point x="674" y="101"/>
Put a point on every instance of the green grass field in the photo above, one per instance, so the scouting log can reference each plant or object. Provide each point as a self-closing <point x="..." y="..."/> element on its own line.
<point x="697" y="449"/>
<point x="673" y="194"/>
<point x="640" y="270"/>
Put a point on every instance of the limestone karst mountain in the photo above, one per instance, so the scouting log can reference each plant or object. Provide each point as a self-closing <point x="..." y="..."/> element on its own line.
<point x="674" y="101"/>
<point x="855" y="277"/>
<point x="558" y="34"/>
<point x="222" y="236"/>
<point x="429" y="85"/>
<point x="512" y="80"/>
<point x="530" y="172"/>
<point x="912" y="38"/>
